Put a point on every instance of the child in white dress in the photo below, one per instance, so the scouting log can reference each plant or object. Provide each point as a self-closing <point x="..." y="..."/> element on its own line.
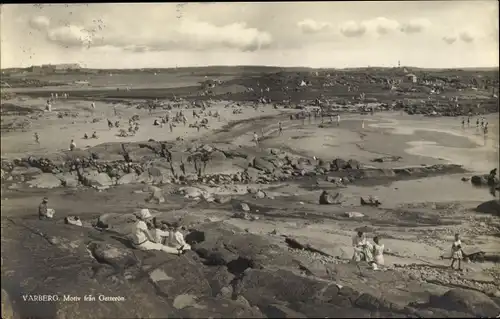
<point x="378" y="253"/>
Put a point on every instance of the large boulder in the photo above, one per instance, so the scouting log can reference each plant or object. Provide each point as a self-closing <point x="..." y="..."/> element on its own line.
<point x="473" y="302"/>
<point x="263" y="165"/>
<point x="489" y="207"/>
<point x="328" y="199"/>
<point x="479" y="180"/>
<point x="129" y="178"/>
<point x="118" y="257"/>
<point x="96" y="179"/>
<point x="221" y="244"/>
<point x="45" y="180"/>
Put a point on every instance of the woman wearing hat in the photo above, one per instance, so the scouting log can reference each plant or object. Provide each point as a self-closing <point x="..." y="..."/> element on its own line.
<point x="142" y="238"/>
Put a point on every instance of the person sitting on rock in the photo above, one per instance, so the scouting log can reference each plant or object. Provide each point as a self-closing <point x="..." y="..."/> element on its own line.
<point x="378" y="253"/>
<point x="94" y="135"/>
<point x="72" y="145"/>
<point x="456" y="252"/>
<point x="362" y="248"/>
<point x="141" y="237"/>
<point x="43" y="211"/>
<point x="156" y="123"/>
<point x="85" y="136"/>
<point x="176" y="238"/>
<point x="161" y="232"/>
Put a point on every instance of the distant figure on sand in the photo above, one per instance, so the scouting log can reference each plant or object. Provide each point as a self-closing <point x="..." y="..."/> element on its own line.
<point x="93" y="105"/>
<point x="463" y="122"/>
<point x="477" y="124"/>
<point x="37" y="138"/>
<point x="256" y="138"/>
<point x="338" y="119"/>
<point x="468" y="121"/>
<point x="48" y="108"/>
<point x="363" y="124"/>
<point x="85" y="136"/>
<point x="456" y="252"/>
<point x="72" y="145"/>
<point x="94" y="135"/>
<point x="110" y="124"/>
<point x="280" y="128"/>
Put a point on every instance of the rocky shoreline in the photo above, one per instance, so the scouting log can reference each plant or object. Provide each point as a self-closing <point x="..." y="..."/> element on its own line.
<point x="229" y="273"/>
<point x="85" y="168"/>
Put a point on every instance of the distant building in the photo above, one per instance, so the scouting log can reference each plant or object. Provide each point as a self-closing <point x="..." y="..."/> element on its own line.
<point x="69" y="66"/>
<point x="412" y="78"/>
<point x="53" y="68"/>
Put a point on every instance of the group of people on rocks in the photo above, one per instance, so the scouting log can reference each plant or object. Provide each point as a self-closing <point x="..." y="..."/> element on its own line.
<point x="146" y="233"/>
<point x="364" y="250"/>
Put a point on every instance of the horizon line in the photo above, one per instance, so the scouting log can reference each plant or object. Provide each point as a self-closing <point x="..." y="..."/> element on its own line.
<point x="264" y="66"/>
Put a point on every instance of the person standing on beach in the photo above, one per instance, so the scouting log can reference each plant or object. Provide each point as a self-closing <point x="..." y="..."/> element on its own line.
<point x="256" y="139"/>
<point x="72" y="145"/>
<point x="477" y="124"/>
<point x="280" y="128"/>
<point x="468" y="121"/>
<point x="37" y="138"/>
<point x="338" y="119"/>
<point x="463" y="122"/>
<point x="456" y="252"/>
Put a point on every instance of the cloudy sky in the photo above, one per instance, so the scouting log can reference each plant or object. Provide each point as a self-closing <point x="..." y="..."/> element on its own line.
<point x="314" y="34"/>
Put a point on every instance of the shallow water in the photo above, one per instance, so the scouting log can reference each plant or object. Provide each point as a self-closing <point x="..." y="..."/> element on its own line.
<point x="447" y="188"/>
<point x="475" y="153"/>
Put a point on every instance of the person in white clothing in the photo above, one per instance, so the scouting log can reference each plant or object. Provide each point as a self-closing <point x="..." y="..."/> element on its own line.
<point x="456" y="252"/>
<point x="362" y="248"/>
<point x="256" y="138"/>
<point x="72" y="145"/>
<point x="176" y="238"/>
<point x="161" y="233"/>
<point x="141" y="237"/>
<point x="338" y="119"/>
<point x="378" y="253"/>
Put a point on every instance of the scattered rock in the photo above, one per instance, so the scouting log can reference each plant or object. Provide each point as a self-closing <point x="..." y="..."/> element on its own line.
<point x="387" y="159"/>
<point x="370" y="201"/>
<point x="354" y="214"/>
<point x="244" y="207"/>
<point x="327" y="199"/>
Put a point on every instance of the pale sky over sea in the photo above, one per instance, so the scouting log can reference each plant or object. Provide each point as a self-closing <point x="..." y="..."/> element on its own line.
<point x="434" y="34"/>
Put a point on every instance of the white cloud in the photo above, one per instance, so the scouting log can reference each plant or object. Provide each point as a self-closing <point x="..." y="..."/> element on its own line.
<point x="311" y="26"/>
<point x="71" y="36"/>
<point x="450" y="39"/>
<point x="39" y="22"/>
<point x="382" y="25"/>
<point x="353" y="29"/>
<point x="467" y="36"/>
<point x="415" y="26"/>
<point x="189" y="34"/>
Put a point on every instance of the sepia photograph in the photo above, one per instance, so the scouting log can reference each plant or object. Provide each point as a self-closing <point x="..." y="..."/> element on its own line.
<point x="330" y="159"/>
